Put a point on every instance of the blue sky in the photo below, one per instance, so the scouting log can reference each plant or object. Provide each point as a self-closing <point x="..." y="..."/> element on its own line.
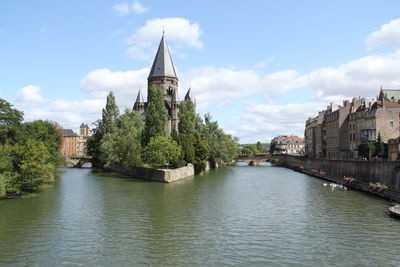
<point x="261" y="68"/>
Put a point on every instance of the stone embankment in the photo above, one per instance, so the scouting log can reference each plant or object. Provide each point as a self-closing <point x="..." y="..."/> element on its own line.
<point x="381" y="178"/>
<point x="156" y="175"/>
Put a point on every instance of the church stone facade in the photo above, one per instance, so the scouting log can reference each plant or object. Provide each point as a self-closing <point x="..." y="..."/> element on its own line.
<point x="163" y="75"/>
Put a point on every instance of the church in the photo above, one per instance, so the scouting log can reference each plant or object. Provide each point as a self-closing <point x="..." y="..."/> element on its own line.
<point x="163" y="75"/>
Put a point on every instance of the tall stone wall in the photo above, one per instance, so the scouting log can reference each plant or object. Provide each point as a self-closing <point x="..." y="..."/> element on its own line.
<point x="384" y="172"/>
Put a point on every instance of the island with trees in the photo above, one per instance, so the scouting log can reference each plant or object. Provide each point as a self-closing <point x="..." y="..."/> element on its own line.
<point x="121" y="141"/>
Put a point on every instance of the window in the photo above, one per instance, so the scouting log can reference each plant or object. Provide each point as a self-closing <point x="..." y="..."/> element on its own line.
<point x="391" y="123"/>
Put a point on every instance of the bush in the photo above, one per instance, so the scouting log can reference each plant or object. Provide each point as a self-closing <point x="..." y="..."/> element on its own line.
<point x="162" y="151"/>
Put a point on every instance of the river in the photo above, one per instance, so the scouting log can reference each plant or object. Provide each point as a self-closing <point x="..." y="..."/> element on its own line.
<point x="237" y="216"/>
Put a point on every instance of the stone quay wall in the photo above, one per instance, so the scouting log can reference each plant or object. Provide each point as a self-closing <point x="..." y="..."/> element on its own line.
<point x="365" y="172"/>
<point x="156" y="175"/>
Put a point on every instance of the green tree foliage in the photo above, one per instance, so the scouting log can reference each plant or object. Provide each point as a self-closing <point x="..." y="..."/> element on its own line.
<point x="29" y="152"/>
<point x="223" y="147"/>
<point x="156" y="117"/>
<point x="250" y="149"/>
<point x="45" y="132"/>
<point x="10" y="119"/>
<point x="121" y="144"/>
<point x="32" y="163"/>
<point x="187" y="118"/>
<point x="366" y="149"/>
<point x="260" y="147"/>
<point x="110" y="114"/>
<point x="161" y="151"/>
<point x="379" y="147"/>
<point x="129" y="130"/>
<point x="93" y="144"/>
<point x="201" y="152"/>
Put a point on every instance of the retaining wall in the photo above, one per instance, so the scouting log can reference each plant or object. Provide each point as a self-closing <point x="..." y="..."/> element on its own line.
<point x="157" y="175"/>
<point x="365" y="172"/>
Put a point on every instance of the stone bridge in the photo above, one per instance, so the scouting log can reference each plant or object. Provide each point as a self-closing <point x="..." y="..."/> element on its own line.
<point x="76" y="162"/>
<point x="253" y="160"/>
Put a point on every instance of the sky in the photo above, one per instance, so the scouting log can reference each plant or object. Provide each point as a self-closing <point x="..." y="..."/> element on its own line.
<point x="260" y="68"/>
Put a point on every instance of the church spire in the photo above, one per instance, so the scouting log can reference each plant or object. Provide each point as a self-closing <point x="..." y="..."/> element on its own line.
<point x="139" y="103"/>
<point x="188" y="96"/>
<point x="162" y="65"/>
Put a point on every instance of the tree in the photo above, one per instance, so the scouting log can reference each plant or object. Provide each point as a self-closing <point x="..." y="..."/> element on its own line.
<point x="43" y="131"/>
<point x="201" y="152"/>
<point x="129" y="130"/>
<point x="250" y="149"/>
<point x="156" y="117"/>
<point x="161" y="151"/>
<point x="366" y="149"/>
<point x="9" y="120"/>
<point x="187" y="118"/>
<point x="31" y="161"/>
<point x="259" y="147"/>
<point x="110" y="114"/>
<point x="223" y="147"/>
<point x="379" y="146"/>
<point x="93" y="144"/>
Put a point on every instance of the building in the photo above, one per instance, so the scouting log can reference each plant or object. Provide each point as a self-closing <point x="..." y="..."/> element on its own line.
<point x="74" y="144"/>
<point x="292" y="145"/>
<point x="313" y="136"/>
<point x="337" y="131"/>
<point x="69" y="143"/>
<point x="162" y="74"/>
<point x="394" y="149"/>
<point x="84" y="133"/>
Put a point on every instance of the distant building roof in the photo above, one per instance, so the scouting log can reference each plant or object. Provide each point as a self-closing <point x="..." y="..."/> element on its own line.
<point x="69" y="132"/>
<point x="389" y="94"/>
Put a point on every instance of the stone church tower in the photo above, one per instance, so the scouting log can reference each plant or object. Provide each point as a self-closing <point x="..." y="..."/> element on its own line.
<point x="163" y="75"/>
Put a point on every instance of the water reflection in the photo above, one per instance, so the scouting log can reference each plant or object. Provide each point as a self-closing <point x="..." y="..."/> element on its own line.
<point x="240" y="215"/>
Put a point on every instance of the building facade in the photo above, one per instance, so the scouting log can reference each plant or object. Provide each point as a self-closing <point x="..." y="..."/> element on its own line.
<point x="69" y="143"/>
<point x="163" y="75"/>
<point x="74" y="144"/>
<point x="84" y="133"/>
<point x="292" y="145"/>
<point x="341" y="129"/>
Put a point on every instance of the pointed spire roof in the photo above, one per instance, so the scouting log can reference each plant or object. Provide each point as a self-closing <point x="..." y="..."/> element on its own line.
<point x="175" y="97"/>
<point x="188" y="95"/>
<point x="139" y="98"/>
<point x="162" y="65"/>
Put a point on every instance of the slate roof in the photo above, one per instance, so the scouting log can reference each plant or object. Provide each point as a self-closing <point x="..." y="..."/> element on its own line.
<point x="188" y="95"/>
<point x="139" y="98"/>
<point x="162" y="65"/>
<point x="175" y="97"/>
<point x="69" y="132"/>
<point x="391" y="94"/>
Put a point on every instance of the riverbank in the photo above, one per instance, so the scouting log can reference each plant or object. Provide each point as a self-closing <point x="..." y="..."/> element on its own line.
<point x="380" y="178"/>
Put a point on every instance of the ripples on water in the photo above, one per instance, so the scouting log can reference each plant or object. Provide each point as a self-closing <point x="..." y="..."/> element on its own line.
<point x="234" y="216"/>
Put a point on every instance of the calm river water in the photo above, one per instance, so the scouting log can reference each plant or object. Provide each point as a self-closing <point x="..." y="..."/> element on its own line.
<point x="238" y="216"/>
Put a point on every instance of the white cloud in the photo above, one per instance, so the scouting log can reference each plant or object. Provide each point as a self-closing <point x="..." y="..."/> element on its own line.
<point x="263" y="122"/>
<point x="360" y="77"/>
<point x="211" y="84"/>
<point x="282" y="81"/>
<point x="124" y="84"/>
<point x="69" y="114"/>
<point x="180" y="33"/>
<point x="388" y="34"/>
<point x="30" y="95"/>
<point x="126" y="8"/>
